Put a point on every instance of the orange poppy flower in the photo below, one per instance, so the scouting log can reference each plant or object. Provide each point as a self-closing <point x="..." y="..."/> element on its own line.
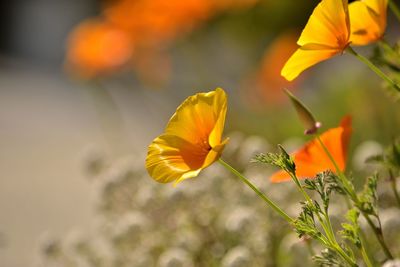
<point x="158" y="20"/>
<point x="367" y="20"/>
<point x="192" y="140"/>
<point x="96" y="47"/>
<point x="325" y="35"/>
<point x="269" y="83"/>
<point x="312" y="159"/>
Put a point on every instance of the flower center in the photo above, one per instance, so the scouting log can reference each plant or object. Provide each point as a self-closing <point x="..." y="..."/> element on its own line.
<point x="205" y="145"/>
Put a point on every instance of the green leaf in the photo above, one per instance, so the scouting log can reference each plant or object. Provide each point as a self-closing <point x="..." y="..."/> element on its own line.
<point x="281" y="160"/>
<point x="351" y="229"/>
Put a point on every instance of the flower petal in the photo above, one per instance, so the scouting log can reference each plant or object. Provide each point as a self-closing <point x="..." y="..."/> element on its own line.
<point x="304" y="58"/>
<point x="312" y="159"/>
<point x="196" y="117"/>
<point x="368" y="21"/>
<point x="192" y="140"/>
<point x="328" y="25"/>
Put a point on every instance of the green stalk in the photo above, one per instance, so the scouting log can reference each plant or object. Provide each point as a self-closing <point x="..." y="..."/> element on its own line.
<point x="347" y="186"/>
<point x="344" y="255"/>
<point x="366" y="257"/>
<point x="395" y="9"/>
<point x="365" y="247"/>
<point x="110" y="119"/>
<point x="326" y="225"/>
<point x="330" y="239"/>
<point x="394" y="187"/>
<point x="269" y="202"/>
<point x="374" y="68"/>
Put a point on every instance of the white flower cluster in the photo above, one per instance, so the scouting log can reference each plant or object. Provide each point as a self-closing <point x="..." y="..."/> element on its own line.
<point x="212" y="220"/>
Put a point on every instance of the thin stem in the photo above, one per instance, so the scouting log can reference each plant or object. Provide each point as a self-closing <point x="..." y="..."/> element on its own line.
<point x="365" y="257"/>
<point x="379" y="235"/>
<point x="365" y="247"/>
<point x="326" y="225"/>
<point x="343" y="178"/>
<point x="395" y="9"/>
<point x="258" y="192"/>
<point x="371" y="65"/>
<point x="350" y="190"/>
<point x="394" y="187"/>
<point x="329" y="225"/>
<point x="344" y="255"/>
<point x="330" y="239"/>
<point x="110" y="119"/>
<point x="309" y="246"/>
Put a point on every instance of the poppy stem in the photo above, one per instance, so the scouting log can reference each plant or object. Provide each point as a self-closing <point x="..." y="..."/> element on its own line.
<point x="395" y="9"/>
<point x="374" y="68"/>
<point x="109" y="116"/>
<point x="283" y="214"/>
<point x="353" y="196"/>
<point x="326" y="225"/>
<point x="394" y="187"/>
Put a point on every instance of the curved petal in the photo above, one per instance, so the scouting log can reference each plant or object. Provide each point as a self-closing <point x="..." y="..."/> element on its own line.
<point x="312" y="159"/>
<point x="368" y="21"/>
<point x="196" y="117"/>
<point x="192" y="140"/>
<point x="165" y="161"/>
<point x="328" y="25"/>
<point x="304" y="58"/>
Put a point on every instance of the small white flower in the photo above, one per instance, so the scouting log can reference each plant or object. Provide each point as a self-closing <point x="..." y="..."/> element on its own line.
<point x="363" y="151"/>
<point x="240" y="219"/>
<point x="237" y="257"/>
<point x="93" y="160"/>
<point x="251" y="146"/>
<point x="175" y="257"/>
<point x="392" y="263"/>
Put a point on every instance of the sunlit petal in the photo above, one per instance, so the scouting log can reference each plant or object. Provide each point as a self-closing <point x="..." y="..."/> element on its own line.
<point x="368" y="21"/>
<point x="192" y="139"/>
<point x="311" y="159"/>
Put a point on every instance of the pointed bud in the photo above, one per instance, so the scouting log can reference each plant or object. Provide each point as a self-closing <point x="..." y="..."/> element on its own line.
<point x="304" y="114"/>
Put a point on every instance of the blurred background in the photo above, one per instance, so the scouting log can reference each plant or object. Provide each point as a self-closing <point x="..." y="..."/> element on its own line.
<point x="86" y="85"/>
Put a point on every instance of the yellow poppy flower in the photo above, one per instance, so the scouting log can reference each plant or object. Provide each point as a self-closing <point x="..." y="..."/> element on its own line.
<point x="192" y="138"/>
<point x="325" y="35"/>
<point x="367" y="20"/>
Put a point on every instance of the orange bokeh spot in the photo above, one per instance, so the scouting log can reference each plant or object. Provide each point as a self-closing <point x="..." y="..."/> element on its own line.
<point x="97" y="47"/>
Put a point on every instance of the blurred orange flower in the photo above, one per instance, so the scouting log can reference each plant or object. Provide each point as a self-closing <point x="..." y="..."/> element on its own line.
<point x="96" y="47"/>
<point x="367" y="20"/>
<point x="269" y="82"/>
<point x="100" y="46"/>
<point x="158" y="20"/>
<point x="326" y="34"/>
<point x="312" y="159"/>
<point x="192" y="140"/>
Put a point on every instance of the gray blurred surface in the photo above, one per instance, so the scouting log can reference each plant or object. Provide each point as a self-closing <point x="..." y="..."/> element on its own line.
<point x="45" y="124"/>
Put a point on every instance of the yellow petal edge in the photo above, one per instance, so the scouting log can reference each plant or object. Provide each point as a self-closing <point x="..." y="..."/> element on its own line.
<point x="191" y="140"/>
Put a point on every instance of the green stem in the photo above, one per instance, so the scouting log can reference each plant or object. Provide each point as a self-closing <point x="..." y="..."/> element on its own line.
<point x="326" y="225"/>
<point x="394" y="187"/>
<point x="343" y="178"/>
<point x="395" y="9"/>
<point x="374" y="68"/>
<point x="329" y="225"/>
<point x="379" y="235"/>
<point x="350" y="191"/>
<point x="344" y="255"/>
<point x="365" y="247"/>
<point x="310" y="247"/>
<point x="258" y="192"/>
<point x="365" y="257"/>
<point x="110" y="118"/>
